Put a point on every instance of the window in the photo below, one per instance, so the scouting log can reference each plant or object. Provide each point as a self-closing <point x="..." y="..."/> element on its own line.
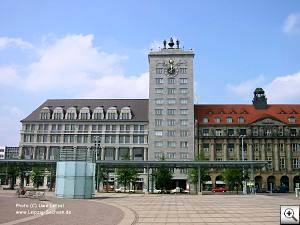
<point x="295" y="147"/>
<point x="241" y="120"/>
<point x="205" y="120"/>
<point x="171" y="101"/>
<point x="205" y="147"/>
<point x="158" y="122"/>
<point x="159" y="81"/>
<point x="183" y="111"/>
<point x="171" y="122"/>
<point x="45" y="113"/>
<point x="292" y="119"/>
<point x="158" y="143"/>
<point x="159" y="101"/>
<point x="158" y="155"/>
<point x="243" y="132"/>
<point x="230" y="147"/>
<point x="183" y="70"/>
<point x="170" y="155"/>
<point x="268" y="132"/>
<point x="171" y="91"/>
<point x="293" y="132"/>
<point x="230" y="132"/>
<point x="158" y="111"/>
<point x="171" y="133"/>
<point x="159" y="70"/>
<point x="98" y="113"/>
<point x="218" y="132"/>
<point x="125" y="113"/>
<point x="158" y="133"/>
<point x="217" y="120"/>
<point x="183" y="122"/>
<point x="183" y="155"/>
<point x="229" y="120"/>
<point x="171" y="143"/>
<point x="183" y="101"/>
<point x="159" y="90"/>
<point x="171" y="111"/>
<point x="183" y="144"/>
<point x="183" y="90"/>
<point x="282" y="162"/>
<point x="205" y="132"/>
<point x="183" y="80"/>
<point x="184" y="133"/>
<point x="296" y="163"/>
<point x="171" y="81"/>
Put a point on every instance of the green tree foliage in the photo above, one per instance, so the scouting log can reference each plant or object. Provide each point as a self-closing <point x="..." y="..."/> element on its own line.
<point x="233" y="178"/>
<point x="102" y="175"/>
<point x="37" y="175"/>
<point x="193" y="173"/>
<point x="128" y="174"/>
<point x="163" y="178"/>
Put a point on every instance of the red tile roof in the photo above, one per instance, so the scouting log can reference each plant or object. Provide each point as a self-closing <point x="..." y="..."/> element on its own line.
<point x="280" y="112"/>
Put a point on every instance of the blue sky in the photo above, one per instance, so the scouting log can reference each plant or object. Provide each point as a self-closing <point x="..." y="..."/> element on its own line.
<point x="98" y="49"/>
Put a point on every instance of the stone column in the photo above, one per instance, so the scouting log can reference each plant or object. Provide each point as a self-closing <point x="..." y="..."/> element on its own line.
<point x="34" y="153"/>
<point x="263" y="152"/>
<point x="291" y="184"/>
<point x="145" y="154"/>
<point x="200" y="147"/>
<point x="212" y="151"/>
<point x="47" y="152"/>
<point x="224" y="155"/>
<point x="102" y="153"/>
<point x="117" y="153"/>
<point x="276" y="156"/>
<point x="21" y="152"/>
<point x="131" y="153"/>
<point x="250" y="150"/>
<point x="238" y="150"/>
<point x="288" y="155"/>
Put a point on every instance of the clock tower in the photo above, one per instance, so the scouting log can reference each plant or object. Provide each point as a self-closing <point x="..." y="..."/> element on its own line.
<point x="171" y="103"/>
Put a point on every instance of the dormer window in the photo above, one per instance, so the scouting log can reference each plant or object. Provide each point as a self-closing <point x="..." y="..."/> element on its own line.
<point x="57" y="113"/>
<point x="292" y="119"/>
<point x="71" y="113"/>
<point x="229" y="119"/>
<point x="205" y="120"/>
<point x="98" y="113"/>
<point x="241" y="120"/>
<point x="45" y="113"/>
<point x="84" y="113"/>
<point x="125" y="113"/>
<point x="217" y="120"/>
<point x="112" y="113"/>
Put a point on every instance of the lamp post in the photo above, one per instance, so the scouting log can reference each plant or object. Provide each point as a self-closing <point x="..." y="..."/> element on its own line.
<point x="97" y="147"/>
<point x="243" y="159"/>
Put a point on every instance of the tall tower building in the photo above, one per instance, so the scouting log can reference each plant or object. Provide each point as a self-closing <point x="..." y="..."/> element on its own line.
<point x="171" y="103"/>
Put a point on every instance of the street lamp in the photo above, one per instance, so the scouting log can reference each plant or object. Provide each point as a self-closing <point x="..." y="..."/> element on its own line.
<point x="97" y="145"/>
<point x="243" y="159"/>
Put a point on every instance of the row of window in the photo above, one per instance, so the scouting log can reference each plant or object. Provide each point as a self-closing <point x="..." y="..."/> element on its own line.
<point x="171" y="91"/>
<point x="171" y="101"/>
<point x="171" y="133"/>
<point x="123" y="139"/>
<point x="182" y="144"/>
<point x="230" y="120"/>
<point x="85" y="113"/>
<point x="162" y="70"/>
<point x="84" y="127"/>
<point x="170" y="155"/>
<point x="171" y="80"/>
<point x="171" y="111"/>
<point x="171" y="122"/>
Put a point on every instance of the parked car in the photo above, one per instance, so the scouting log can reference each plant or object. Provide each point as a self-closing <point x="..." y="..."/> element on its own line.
<point x="122" y="190"/>
<point x="281" y="189"/>
<point x="178" y="190"/>
<point x="219" y="189"/>
<point x="157" y="191"/>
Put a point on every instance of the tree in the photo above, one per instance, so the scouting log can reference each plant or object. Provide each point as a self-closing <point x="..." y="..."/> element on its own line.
<point x="102" y="174"/>
<point x="128" y="174"/>
<point x="233" y="178"/>
<point x="163" y="177"/>
<point x="37" y="176"/>
<point x="193" y="173"/>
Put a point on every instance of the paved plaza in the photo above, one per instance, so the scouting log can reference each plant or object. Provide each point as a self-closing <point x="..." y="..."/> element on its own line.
<point x="140" y="209"/>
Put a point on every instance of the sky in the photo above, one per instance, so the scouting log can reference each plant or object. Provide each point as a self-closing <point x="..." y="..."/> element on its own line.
<point x="98" y="49"/>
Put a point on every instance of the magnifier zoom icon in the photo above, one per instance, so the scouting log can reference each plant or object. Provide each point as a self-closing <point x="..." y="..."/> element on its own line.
<point x="289" y="213"/>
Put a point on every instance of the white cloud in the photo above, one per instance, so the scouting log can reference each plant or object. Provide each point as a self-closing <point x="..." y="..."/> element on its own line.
<point x="292" y="24"/>
<point x="282" y="89"/>
<point x="246" y="88"/>
<point x="75" y="66"/>
<point x="6" y="42"/>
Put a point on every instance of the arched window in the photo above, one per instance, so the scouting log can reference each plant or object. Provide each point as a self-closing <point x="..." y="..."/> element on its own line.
<point x="241" y="120"/>
<point x="45" y="113"/>
<point x="98" y="113"/>
<point x="217" y="120"/>
<point x="58" y="113"/>
<point x="125" y="113"/>
<point x="292" y="119"/>
<point x="229" y="119"/>
<point x="71" y="113"/>
<point x="112" y="113"/>
<point x="84" y="113"/>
